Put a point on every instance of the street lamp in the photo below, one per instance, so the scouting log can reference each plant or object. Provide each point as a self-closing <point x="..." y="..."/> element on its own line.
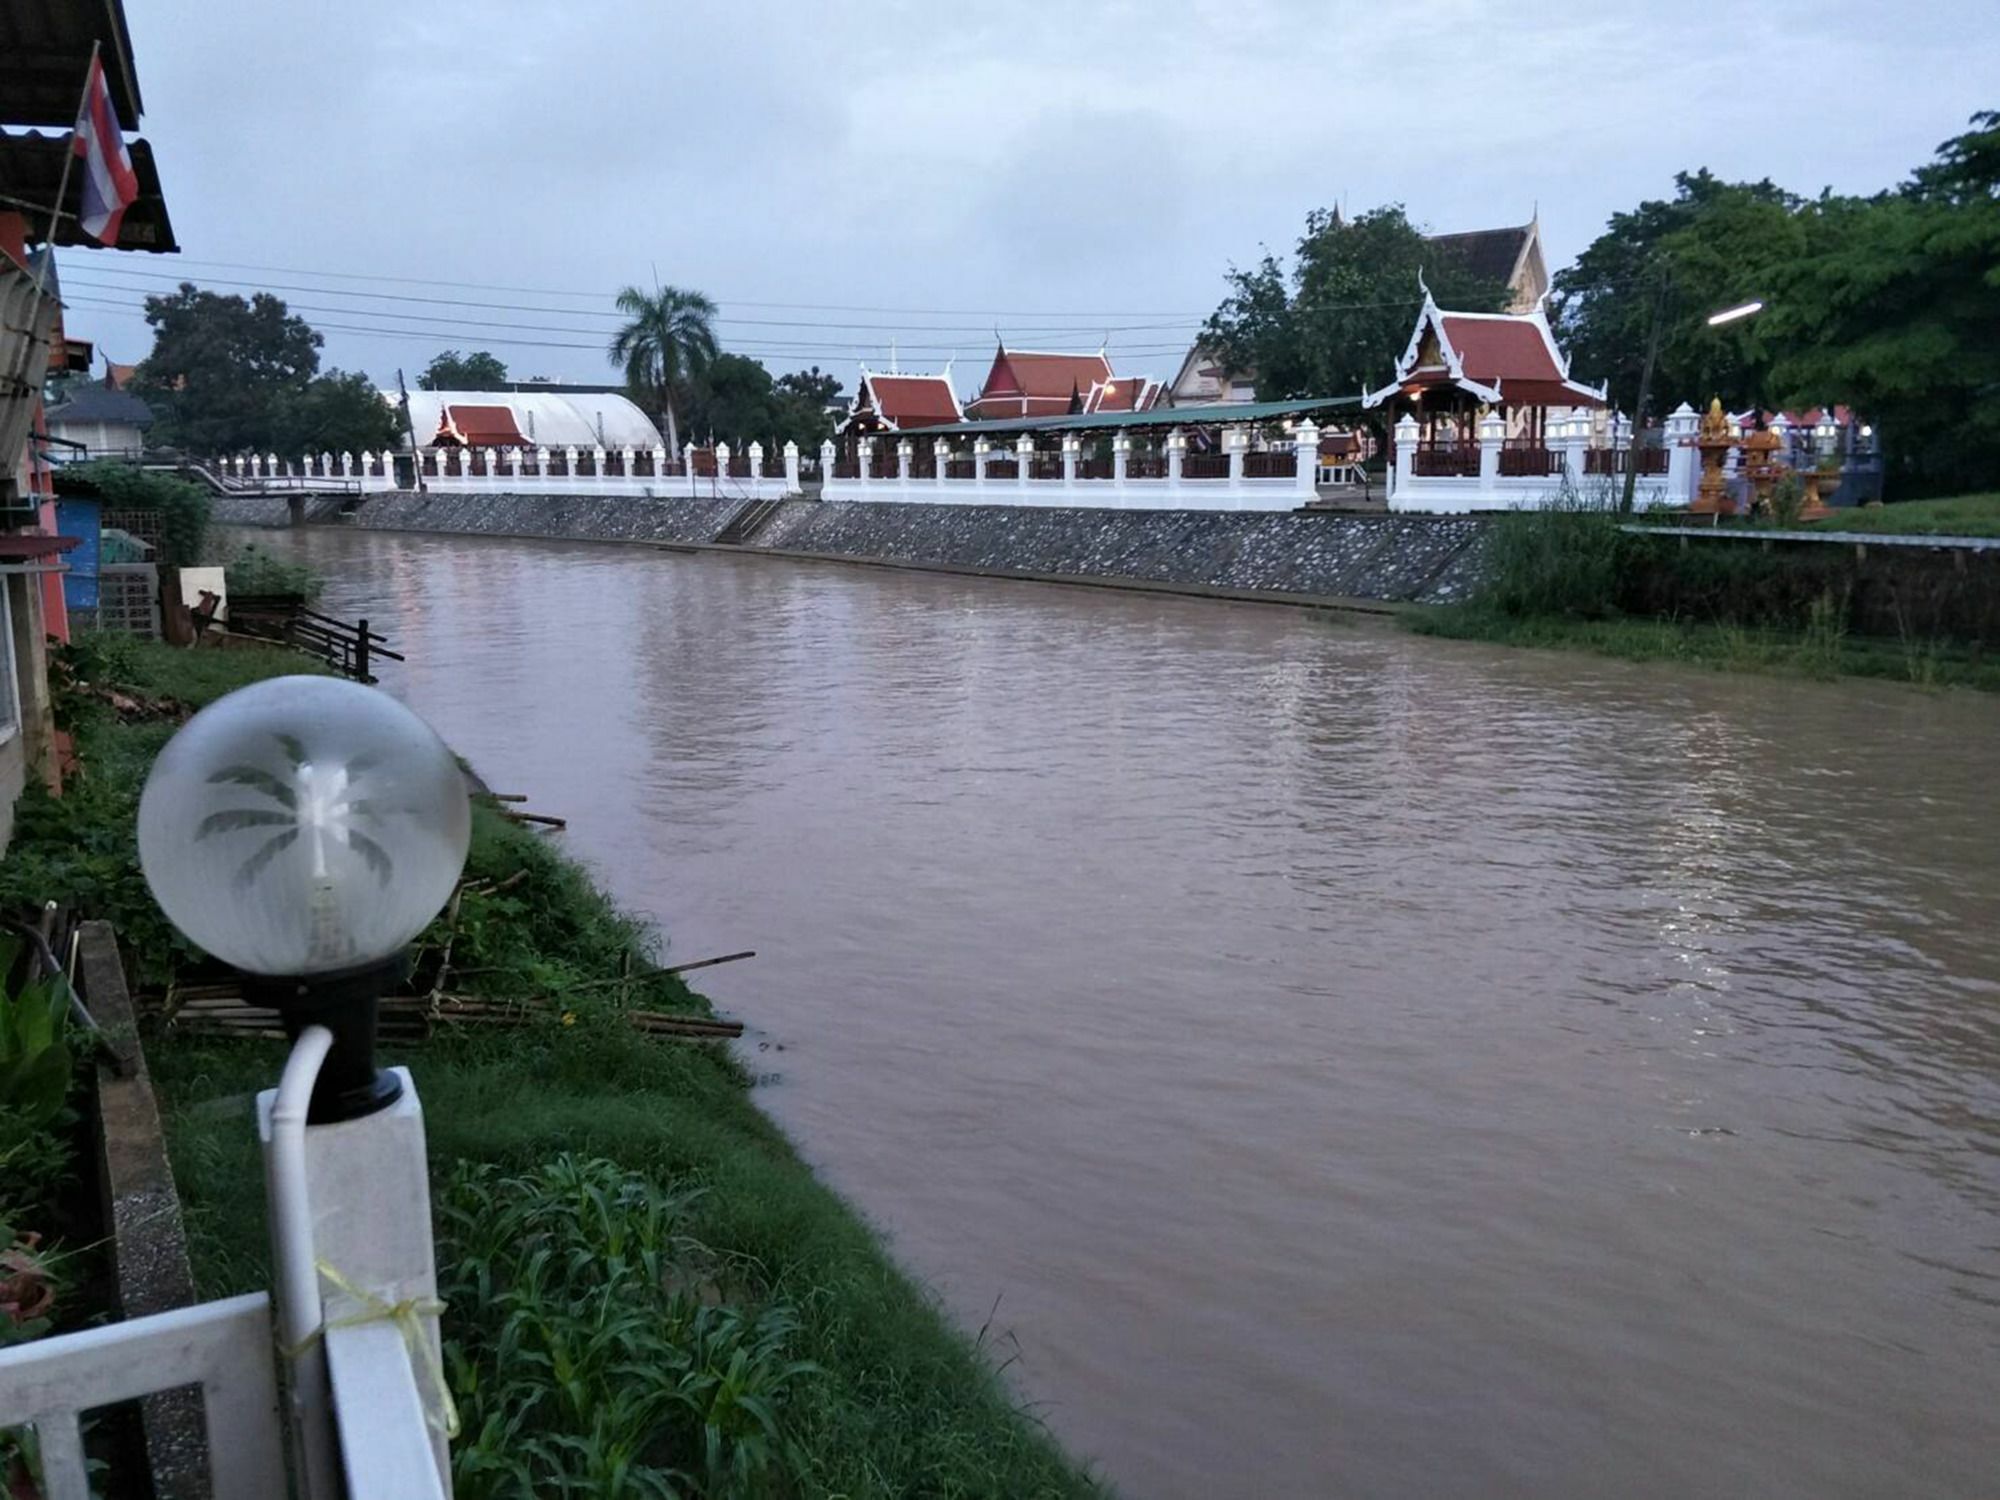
<point x="1735" y="314"/>
<point x="304" y="829"/>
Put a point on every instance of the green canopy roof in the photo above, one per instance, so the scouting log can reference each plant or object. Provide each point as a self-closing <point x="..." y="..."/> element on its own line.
<point x="1218" y="415"/>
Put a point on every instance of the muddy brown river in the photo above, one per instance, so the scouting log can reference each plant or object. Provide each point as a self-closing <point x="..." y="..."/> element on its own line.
<point x="1337" y="1063"/>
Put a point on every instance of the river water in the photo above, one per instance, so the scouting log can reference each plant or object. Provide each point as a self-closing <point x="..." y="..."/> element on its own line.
<point x="1335" y="1062"/>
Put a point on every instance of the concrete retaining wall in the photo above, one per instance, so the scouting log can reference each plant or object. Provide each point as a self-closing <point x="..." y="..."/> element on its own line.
<point x="1430" y="559"/>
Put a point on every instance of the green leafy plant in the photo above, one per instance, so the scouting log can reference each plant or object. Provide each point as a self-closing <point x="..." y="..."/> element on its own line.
<point x="595" y="1349"/>
<point x="1788" y="499"/>
<point x="253" y="571"/>
<point x="35" y="1059"/>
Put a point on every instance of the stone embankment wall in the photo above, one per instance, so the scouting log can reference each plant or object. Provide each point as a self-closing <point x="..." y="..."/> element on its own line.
<point x="1428" y="559"/>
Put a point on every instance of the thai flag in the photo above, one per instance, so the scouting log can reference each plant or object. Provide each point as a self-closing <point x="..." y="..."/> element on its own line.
<point x="109" y="183"/>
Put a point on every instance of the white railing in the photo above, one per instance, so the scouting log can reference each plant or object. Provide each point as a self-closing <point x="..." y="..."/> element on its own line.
<point x="1564" y="456"/>
<point x="355" y="1313"/>
<point x="697" y="473"/>
<point x="1231" y="488"/>
<point x="223" y="1347"/>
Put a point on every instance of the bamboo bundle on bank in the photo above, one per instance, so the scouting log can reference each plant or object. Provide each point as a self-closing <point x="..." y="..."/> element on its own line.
<point x="219" y="1012"/>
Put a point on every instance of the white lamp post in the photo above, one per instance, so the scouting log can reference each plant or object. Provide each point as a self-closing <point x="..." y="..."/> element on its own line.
<point x="305" y="829"/>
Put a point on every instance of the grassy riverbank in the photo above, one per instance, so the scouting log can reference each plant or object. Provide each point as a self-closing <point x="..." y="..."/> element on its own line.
<point x="773" y="1349"/>
<point x="1576" y="579"/>
<point x="1960" y="515"/>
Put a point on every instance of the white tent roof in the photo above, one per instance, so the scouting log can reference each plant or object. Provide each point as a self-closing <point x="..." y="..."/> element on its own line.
<point x="571" y="419"/>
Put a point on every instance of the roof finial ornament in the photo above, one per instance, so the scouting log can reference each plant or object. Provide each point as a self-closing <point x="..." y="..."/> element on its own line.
<point x="1422" y="285"/>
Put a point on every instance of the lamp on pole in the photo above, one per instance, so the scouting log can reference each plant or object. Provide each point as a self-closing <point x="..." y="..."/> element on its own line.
<point x="304" y="830"/>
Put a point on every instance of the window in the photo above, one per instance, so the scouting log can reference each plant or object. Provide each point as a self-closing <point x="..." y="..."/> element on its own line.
<point x="10" y="695"/>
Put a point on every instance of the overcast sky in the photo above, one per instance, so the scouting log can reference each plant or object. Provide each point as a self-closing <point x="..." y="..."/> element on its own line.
<point x="1057" y="171"/>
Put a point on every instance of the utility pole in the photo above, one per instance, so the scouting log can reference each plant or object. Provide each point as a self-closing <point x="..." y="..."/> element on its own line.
<point x="1645" y="391"/>
<point x="410" y="426"/>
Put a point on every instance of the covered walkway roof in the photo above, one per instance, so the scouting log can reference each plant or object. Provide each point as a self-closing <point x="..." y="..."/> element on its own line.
<point x="1222" y="414"/>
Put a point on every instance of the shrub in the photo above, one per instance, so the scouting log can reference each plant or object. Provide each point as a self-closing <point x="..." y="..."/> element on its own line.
<point x="254" y="571"/>
<point x="1565" y="560"/>
<point x="597" y="1348"/>
<point x="183" y="507"/>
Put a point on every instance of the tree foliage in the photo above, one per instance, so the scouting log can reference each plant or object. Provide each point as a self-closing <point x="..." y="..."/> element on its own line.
<point x="453" y="371"/>
<point x="667" y="340"/>
<point x="1334" y="322"/>
<point x="219" y="366"/>
<point x="226" y="374"/>
<point x="1712" y="245"/>
<point x="735" y="400"/>
<point x="1893" y="309"/>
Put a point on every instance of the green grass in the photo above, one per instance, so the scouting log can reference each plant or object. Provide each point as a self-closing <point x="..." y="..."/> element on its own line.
<point x="896" y="1402"/>
<point x="1961" y="515"/>
<point x="1824" y="654"/>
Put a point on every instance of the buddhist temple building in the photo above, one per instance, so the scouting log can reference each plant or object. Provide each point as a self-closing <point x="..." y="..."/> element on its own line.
<point x="1035" y="383"/>
<point x="902" y="403"/>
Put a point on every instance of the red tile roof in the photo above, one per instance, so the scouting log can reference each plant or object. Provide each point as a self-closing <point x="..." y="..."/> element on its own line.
<point x="1127" y="394"/>
<point x="1027" y="383"/>
<point x="1509" y="349"/>
<point x="480" y="427"/>
<point x="905" y="401"/>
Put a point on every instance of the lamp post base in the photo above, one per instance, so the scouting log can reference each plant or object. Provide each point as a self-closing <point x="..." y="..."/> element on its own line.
<point x="350" y="1085"/>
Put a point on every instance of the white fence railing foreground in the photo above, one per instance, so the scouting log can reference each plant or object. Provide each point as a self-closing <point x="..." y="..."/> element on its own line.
<point x="225" y="1348"/>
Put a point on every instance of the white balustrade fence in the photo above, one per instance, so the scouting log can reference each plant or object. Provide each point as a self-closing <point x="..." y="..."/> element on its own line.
<point x="1495" y="472"/>
<point x="753" y="474"/>
<point x="934" y="472"/>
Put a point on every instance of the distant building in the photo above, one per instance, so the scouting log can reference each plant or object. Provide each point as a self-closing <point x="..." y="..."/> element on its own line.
<point x="1127" y="393"/>
<point x="1037" y="383"/>
<point x="102" y="421"/>
<point x="526" y="418"/>
<point x="1510" y="258"/>
<point x="901" y="403"/>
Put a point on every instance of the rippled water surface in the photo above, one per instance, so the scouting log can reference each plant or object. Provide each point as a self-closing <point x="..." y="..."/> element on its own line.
<point x="1353" y="1064"/>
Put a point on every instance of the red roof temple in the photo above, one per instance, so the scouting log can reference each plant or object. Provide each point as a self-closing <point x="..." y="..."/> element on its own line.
<point x="1031" y="383"/>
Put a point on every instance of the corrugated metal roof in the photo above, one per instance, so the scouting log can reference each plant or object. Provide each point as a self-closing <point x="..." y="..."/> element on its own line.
<point x="91" y="402"/>
<point x="576" y="419"/>
<point x="1217" y="415"/>
<point x="45" y="56"/>
<point x="31" y="168"/>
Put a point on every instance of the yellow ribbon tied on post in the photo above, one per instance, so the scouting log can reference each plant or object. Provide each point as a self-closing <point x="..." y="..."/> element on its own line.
<point x="440" y="1411"/>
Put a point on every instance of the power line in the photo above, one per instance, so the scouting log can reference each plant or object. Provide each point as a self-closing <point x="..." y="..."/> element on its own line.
<point x="1092" y="318"/>
<point x="114" y="286"/>
<point x="789" y="349"/>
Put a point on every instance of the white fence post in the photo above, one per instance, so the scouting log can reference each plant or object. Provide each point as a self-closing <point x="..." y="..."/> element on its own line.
<point x="756" y="466"/>
<point x="864" y="465"/>
<point x="827" y="455"/>
<point x="1682" y="460"/>
<point x="1406" y="453"/>
<point x="1121" y="459"/>
<point x="1305" y="459"/>
<point x="940" y="459"/>
<point x="906" y="453"/>
<point x="1235" y="441"/>
<point x="791" y="466"/>
<point x="1176" y="450"/>
<point x="1492" y="438"/>
<point x="1071" y="451"/>
<point x="1024" y="460"/>
<point x="981" y="452"/>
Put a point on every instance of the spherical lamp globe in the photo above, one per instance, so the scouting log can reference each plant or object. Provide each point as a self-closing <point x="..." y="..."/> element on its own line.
<point x="303" y="826"/>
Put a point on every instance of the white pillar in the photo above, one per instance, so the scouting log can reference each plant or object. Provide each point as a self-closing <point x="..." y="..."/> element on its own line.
<point x="659" y="462"/>
<point x="270" y="466"/>
<point x="367" y="1192"/>
<point x="687" y="468"/>
<point x="791" y="466"/>
<point x="905" y="452"/>
<point x="1576" y="445"/>
<point x="569" y="464"/>
<point x="864" y="463"/>
<point x="1492" y="438"/>
<point x="493" y="467"/>
<point x="1782" y="426"/>
<point x="827" y="454"/>
<point x="514" y="468"/>
<point x="325" y="464"/>
<point x="346" y="464"/>
<point x="721" y="463"/>
<point x="756" y="462"/>
<point x="1234" y="441"/>
<point x="1024" y="459"/>
<point x="1683" y="462"/>
<point x="1406" y="452"/>
<point x="940" y="458"/>
<point x="1121" y="457"/>
<point x="981" y="451"/>
<point x="629" y="461"/>
<point x="1071" y="451"/>
<point x="1176" y="448"/>
<point x="1305" y="450"/>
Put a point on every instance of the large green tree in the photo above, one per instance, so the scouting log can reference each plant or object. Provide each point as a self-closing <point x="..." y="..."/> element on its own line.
<point x="338" y="412"/>
<point x="735" y="399"/>
<point x="453" y="371"/>
<point x="220" y="367"/>
<point x="1712" y="245"/>
<point x="1893" y="308"/>
<point x="668" y="338"/>
<point x="1334" y="322"/>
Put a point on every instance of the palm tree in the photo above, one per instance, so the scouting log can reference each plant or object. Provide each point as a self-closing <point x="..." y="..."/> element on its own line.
<point x="666" y="339"/>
